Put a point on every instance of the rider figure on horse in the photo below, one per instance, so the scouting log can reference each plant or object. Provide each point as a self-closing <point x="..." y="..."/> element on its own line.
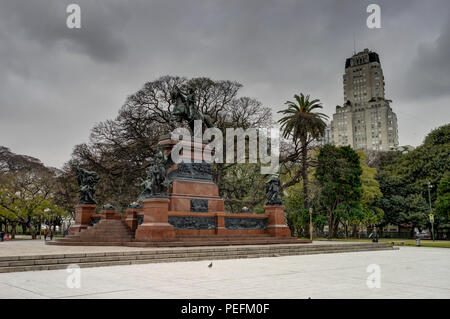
<point x="185" y="107"/>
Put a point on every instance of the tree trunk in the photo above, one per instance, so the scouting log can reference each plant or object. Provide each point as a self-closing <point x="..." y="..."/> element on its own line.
<point x="32" y="232"/>
<point x="336" y="227"/>
<point x="39" y="227"/>
<point x="299" y="231"/>
<point x="330" y="227"/>
<point x="13" y="230"/>
<point x="355" y="231"/>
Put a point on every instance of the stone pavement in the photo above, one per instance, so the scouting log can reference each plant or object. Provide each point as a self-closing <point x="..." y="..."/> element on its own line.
<point x="411" y="272"/>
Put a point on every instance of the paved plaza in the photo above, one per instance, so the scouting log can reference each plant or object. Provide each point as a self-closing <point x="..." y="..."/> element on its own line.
<point x="410" y="272"/>
<point x="38" y="247"/>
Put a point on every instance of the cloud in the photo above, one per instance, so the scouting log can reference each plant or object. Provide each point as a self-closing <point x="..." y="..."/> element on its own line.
<point x="429" y="71"/>
<point x="44" y="22"/>
<point x="56" y="83"/>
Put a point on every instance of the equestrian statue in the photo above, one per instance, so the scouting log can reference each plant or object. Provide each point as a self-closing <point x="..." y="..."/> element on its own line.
<point x="185" y="107"/>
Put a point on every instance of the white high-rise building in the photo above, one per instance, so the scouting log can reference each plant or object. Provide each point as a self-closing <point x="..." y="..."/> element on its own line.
<point x="365" y="121"/>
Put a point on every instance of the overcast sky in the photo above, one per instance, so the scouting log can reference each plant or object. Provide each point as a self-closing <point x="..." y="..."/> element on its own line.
<point x="56" y="83"/>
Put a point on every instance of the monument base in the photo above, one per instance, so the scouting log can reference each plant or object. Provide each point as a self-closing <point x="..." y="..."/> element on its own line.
<point x="108" y="214"/>
<point x="83" y="214"/>
<point x="131" y="219"/>
<point x="156" y="220"/>
<point x="276" y="226"/>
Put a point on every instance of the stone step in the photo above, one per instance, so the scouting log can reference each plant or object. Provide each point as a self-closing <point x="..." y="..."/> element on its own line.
<point x="94" y="236"/>
<point x="98" y="235"/>
<point x="112" y="241"/>
<point x="61" y="261"/>
<point x="109" y="221"/>
<point x="106" y="231"/>
<point x="81" y="239"/>
<point x="242" y="248"/>
<point x="81" y="242"/>
<point x="210" y="250"/>
<point x="223" y="238"/>
<point x="288" y="247"/>
<point x="226" y="236"/>
<point x="116" y="224"/>
<point x="187" y="243"/>
<point x="149" y="257"/>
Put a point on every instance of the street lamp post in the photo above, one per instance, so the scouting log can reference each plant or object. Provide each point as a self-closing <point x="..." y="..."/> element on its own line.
<point x="431" y="211"/>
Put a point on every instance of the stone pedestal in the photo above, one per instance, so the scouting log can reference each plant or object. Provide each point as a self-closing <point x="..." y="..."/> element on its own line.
<point x="184" y="193"/>
<point x="131" y="219"/>
<point x="108" y="214"/>
<point x="83" y="215"/>
<point x="275" y="221"/>
<point x="220" y="224"/>
<point x="156" y="220"/>
<point x="193" y="189"/>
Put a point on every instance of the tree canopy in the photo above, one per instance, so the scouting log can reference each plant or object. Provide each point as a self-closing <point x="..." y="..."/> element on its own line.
<point x="339" y="176"/>
<point x="120" y="149"/>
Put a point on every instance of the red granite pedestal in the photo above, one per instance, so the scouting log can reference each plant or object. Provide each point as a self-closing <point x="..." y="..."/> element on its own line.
<point x="108" y="214"/>
<point x="156" y="220"/>
<point x="275" y="221"/>
<point x="83" y="215"/>
<point x="185" y="189"/>
<point x="131" y="219"/>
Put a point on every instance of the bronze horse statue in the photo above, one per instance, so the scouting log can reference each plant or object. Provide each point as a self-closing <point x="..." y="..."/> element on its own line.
<point x="185" y="108"/>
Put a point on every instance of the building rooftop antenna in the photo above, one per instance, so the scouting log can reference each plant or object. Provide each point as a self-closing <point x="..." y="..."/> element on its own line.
<point x="354" y="43"/>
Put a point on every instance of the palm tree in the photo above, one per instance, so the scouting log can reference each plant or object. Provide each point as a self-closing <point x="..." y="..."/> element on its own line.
<point x="304" y="125"/>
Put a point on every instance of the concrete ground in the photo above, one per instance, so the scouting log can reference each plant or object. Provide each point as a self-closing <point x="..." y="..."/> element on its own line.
<point x="411" y="272"/>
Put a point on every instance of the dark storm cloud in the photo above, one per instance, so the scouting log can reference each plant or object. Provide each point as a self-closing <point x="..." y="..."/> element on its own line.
<point x="56" y="83"/>
<point x="430" y="68"/>
<point x="44" y="22"/>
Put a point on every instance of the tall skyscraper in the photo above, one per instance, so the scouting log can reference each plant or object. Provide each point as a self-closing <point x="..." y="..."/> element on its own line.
<point x="365" y="121"/>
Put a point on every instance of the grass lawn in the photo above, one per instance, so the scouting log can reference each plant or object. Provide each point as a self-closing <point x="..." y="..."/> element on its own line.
<point x="399" y="241"/>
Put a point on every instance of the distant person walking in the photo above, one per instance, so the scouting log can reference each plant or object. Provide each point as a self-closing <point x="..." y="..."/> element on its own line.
<point x="51" y="234"/>
<point x="2" y="234"/>
<point x="45" y="234"/>
<point x="7" y="237"/>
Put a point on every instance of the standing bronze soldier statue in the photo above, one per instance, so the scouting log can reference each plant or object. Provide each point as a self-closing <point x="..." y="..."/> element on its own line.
<point x="87" y="181"/>
<point x="273" y="189"/>
<point x="157" y="182"/>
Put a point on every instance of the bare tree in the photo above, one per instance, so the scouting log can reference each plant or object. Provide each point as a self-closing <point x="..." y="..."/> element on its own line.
<point x="120" y="149"/>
